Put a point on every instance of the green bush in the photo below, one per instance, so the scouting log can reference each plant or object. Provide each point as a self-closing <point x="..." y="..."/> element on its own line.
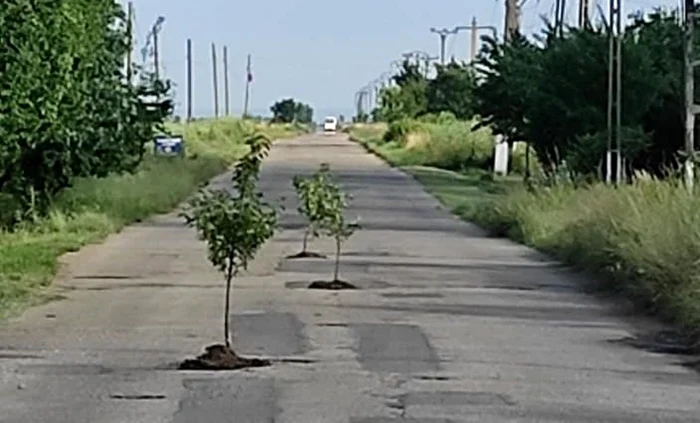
<point x="456" y="146"/>
<point x="400" y="129"/>
<point x="518" y="160"/>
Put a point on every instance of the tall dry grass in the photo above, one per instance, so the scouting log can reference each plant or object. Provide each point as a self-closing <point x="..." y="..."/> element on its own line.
<point x="645" y="237"/>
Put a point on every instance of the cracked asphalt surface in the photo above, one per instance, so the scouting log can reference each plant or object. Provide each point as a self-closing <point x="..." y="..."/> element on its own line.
<point x="450" y="326"/>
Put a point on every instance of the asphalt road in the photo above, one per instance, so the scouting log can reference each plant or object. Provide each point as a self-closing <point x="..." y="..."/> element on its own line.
<point x="450" y="326"/>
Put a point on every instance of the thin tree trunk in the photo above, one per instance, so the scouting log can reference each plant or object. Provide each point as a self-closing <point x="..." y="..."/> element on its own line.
<point x="337" y="259"/>
<point x="227" y="307"/>
<point x="527" y="162"/>
<point x="306" y="238"/>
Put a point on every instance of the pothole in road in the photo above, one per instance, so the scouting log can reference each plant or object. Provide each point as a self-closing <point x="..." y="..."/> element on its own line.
<point x="294" y="360"/>
<point x="306" y="254"/>
<point x="337" y="285"/>
<point x="326" y="285"/>
<point x="434" y="378"/>
<point x="412" y="295"/>
<point x="107" y="277"/>
<point x="137" y="397"/>
<point x="18" y="356"/>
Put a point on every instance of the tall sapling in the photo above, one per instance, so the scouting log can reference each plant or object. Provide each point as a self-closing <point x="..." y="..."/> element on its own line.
<point x="335" y="225"/>
<point x="312" y="194"/>
<point x="234" y="223"/>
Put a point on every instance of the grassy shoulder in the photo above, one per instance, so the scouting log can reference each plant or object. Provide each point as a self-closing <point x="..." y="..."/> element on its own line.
<point x="94" y="208"/>
<point x="642" y="239"/>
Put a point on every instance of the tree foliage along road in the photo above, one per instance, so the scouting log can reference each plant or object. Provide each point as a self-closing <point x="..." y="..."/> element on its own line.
<point x="552" y="93"/>
<point x="288" y="110"/>
<point x="66" y="109"/>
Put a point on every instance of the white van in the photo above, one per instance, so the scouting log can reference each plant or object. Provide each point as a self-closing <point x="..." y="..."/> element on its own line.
<point x="330" y="124"/>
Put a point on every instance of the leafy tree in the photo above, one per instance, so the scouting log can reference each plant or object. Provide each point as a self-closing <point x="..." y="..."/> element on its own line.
<point x="313" y="193"/>
<point x="410" y="74"/>
<point x="408" y="99"/>
<point x="235" y="224"/>
<point x="452" y="90"/>
<point x="66" y="108"/>
<point x="288" y="110"/>
<point x="391" y="105"/>
<point x="336" y="225"/>
<point x="553" y="93"/>
<point x="284" y="110"/>
<point x="304" y="113"/>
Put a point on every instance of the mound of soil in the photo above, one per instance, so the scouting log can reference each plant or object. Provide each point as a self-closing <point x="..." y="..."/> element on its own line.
<point x="332" y="285"/>
<point x="221" y="357"/>
<point x="306" y="254"/>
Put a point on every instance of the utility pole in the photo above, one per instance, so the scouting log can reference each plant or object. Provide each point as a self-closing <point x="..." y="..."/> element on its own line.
<point x="249" y="79"/>
<point x="512" y="25"/>
<point x="227" y="110"/>
<point x="511" y="29"/>
<point x="130" y="35"/>
<point x="474" y="28"/>
<point x="690" y="108"/>
<point x="559" y="16"/>
<point x="189" y="80"/>
<point x="584" y="13"/>
<point x="475" y="39"/>
<point x="156" y="58"/>
<point x="153" y="34"/>
<point x="443" y="33"/>
<point x="215" y="80"/>
<point x="614" y="135"/>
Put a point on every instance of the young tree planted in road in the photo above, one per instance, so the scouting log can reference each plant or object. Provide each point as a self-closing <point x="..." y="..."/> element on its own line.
<point x="312" y="193"/>
<point x="336" y="225"/>
<point x="234" y="223"/>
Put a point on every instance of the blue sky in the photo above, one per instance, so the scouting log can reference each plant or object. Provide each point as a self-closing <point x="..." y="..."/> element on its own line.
<point x="319" y="52"/>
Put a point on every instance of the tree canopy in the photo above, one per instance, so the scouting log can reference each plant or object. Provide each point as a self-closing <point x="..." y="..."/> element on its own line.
<point x="552" y="90"/>
<point x="67" y="109"/>
<point x="288" y="110"/>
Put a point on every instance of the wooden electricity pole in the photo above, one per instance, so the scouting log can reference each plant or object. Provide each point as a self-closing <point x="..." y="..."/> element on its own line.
<point x="215" y="80"/>
<point x="189" y="80"/>
<point x="690" y="108"/>
<point x="512" y="28"/>
<point x="584" y="13"/>
<point x="130" y="35"/>
<point x="614" y="135"/>
<point x="227" y="110"/>
<point x="249" y="79"/>
<point x="559" y="16"/>
<point x="475" y="39"/>
<point x="156" y="54"/>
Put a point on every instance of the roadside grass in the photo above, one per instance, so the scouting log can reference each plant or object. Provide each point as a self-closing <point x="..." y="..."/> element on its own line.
<point x="94" y="208"/>
<point x="641" y="240"/>
<point x="461" y="191"/>
<point x="464" y="193"/>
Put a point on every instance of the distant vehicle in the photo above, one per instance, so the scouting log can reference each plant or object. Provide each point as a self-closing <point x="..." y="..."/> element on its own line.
<point x="330" y="124"/>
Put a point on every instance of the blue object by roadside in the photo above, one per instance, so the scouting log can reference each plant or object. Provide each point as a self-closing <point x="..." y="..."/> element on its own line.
<point x="169" y="145"/>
